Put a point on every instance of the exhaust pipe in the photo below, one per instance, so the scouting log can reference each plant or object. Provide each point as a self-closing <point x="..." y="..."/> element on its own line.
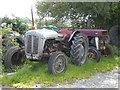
<point x="33" y="27"/>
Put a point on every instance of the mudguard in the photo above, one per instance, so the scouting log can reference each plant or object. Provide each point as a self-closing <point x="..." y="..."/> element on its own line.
<point x="72" y="35"/>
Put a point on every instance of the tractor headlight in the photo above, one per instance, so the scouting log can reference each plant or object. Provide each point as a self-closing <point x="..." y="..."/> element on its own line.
<point x="96" y="33"/>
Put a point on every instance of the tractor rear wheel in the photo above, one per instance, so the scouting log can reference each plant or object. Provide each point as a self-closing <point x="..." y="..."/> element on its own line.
<point x="57" y="63"/>
<point x="14" y="56"/>
<point x="79" y="49"/>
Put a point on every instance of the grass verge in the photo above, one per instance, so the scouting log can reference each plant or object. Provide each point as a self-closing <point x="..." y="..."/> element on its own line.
<point x="37" y="73"/>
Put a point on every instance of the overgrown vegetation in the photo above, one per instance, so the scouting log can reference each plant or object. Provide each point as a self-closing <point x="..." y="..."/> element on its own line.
<point x="37" y="72"/>
<point x="10" y="41"/>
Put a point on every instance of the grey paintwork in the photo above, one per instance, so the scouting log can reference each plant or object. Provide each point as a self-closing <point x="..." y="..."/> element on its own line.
<point x="43" y="35"/>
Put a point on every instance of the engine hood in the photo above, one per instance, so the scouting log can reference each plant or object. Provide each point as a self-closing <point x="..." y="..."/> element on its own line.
<point x="43" y="33"/>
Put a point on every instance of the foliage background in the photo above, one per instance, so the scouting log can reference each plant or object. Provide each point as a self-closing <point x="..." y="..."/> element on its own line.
<point x="17" y="24"/>
<point x="101" y="14"/>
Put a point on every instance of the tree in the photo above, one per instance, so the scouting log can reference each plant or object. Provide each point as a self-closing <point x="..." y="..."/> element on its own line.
<point x="78" y="13"/>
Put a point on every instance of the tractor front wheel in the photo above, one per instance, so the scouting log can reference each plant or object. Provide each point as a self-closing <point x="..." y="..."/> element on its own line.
<point x="57" y="63"/>
<point x="94" y="54"/>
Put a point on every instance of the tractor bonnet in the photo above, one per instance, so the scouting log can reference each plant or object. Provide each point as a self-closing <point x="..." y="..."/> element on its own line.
<point x="43" y="33"/>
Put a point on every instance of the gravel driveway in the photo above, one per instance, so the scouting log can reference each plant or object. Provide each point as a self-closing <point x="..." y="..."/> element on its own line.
<point x="100" y="80"/>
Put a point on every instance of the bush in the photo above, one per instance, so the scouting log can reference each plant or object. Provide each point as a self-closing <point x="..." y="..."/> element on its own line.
<point x="17" y="24"/>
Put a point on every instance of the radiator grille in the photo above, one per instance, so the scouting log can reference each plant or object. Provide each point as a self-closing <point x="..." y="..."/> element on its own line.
<point x="35" y="44"/>
<point x="32" y="44"/>
<point x="29" y="44"/>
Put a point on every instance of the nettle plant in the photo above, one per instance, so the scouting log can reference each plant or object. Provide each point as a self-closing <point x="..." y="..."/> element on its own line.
<point x="7" y="40"/>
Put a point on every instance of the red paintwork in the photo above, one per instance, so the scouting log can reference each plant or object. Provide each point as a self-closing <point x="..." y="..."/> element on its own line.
<point x="66" y="32"/>
<point x="92" y="32"/>
<point x="88" y="32"/>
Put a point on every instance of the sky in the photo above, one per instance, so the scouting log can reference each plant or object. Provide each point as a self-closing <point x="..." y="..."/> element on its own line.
<point x="19" y="8"/>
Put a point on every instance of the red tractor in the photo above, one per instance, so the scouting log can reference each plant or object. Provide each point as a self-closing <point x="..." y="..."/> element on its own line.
<point x="98" y="40"/>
